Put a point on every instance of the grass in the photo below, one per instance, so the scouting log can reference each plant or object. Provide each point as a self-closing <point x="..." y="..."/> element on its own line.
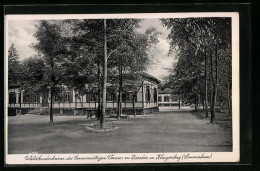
<point x="165" y="131"/>
<point x="223" y="119"/>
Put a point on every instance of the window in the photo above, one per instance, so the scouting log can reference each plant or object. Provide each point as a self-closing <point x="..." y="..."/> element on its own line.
<point x="109" y="97"/>
<point x="92" y="97"/>
<point x="155" y="95"/>
<point x="26" y="98"/>
<point x="56" y="98"/>
<point x="12" y="97"/>
<point x="19" y="98"/>
<point x="129" y="96"/>
<point x="159" y="99"/>
<point x="166" y="98"/>
<point x="31" y="98"/>
<point x="35" y="98"/>
<point x="147" y="94"/>
<point x="67" y="97"/>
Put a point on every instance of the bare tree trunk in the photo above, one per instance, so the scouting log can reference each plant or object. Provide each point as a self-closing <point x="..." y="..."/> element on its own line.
<point x="230" y="90"/>
<point x="52" y="79"/>
<point x="51" y="110"/>
<point x="134" y="95"/>
<point x="215" y="83"/>
<point x="212" y="87"/>
<point x="104" y="92"/>
<point x="99" y="91"/>
<point x="211" y="95"/>
<point x="213" y="105"/>
<point x="143" y="97"/>
<point x="179" y="102"/>
<point x="119" y="113"/>
<point x="196" y="103"/>
<point x="121" y="88"/>
<point x="216" y="87"/>
<point x="229" y="101"/>
<point x="206" y="85"/>
<point x="119" y="103"/>
<point x="75" y="111"/>
<point x="121" y="108"/>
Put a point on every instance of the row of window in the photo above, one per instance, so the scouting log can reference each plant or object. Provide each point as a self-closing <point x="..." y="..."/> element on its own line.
<point x="88" y="98"/>
<point x="166" y="99"/>
<point x="27" y="98"/>
<point x="67" y="97"/>
<point x="148" y="94"/>
<point x="34" y="98"/>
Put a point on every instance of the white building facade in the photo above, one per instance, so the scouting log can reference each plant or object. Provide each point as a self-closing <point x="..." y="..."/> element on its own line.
<point x="70" y="102"/>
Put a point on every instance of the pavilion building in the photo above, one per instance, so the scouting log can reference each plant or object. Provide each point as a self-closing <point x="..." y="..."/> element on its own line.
<point x="145" y="100"/>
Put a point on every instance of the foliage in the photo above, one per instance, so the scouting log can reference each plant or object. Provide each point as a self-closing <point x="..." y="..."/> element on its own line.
<point x="197" y="40"/>
<point x="49" y="76"/>
<point x="34" y="75"/>
<point x="71" y="53"/>
<point x="14" y="67"/>
<point x="50" y="45"/>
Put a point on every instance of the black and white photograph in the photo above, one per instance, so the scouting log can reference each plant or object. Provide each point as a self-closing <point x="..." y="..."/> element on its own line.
<point x="122" y="88"/>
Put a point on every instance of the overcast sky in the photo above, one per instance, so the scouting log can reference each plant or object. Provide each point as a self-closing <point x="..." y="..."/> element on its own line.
<point x="20" y="32"/>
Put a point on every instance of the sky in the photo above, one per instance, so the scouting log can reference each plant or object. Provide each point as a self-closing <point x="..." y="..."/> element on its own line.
<point x="20" y="32"/>
<point x="161" y="58"/>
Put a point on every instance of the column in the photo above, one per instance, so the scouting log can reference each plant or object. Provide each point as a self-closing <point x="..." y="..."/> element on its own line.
<point x="143" y="97"/>
<point x="40" y="99"/>
<point x="73" y="96"/>
<point x="16" y="97"/>
<point x="75" y="102"/>
<point x="22" y="97"/>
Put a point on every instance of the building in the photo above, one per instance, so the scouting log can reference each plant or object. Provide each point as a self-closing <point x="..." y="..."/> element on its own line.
<point x="70" y="102"/>
<point x="165" y="99"/>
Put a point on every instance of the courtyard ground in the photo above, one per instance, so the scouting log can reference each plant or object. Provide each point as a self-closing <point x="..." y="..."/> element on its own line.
<point x="170" y="130"/>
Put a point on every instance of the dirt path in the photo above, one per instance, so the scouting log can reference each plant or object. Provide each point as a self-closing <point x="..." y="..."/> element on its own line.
<point x="165" y="131"/>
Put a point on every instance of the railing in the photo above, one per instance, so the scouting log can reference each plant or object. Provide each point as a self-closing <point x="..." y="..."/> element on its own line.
<point x="24" y="105"/>
<point x="84" y="105"/>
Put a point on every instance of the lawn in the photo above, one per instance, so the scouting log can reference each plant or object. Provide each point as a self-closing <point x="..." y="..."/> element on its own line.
<point x="165" y="131"/>
<point x="224" y="120"/>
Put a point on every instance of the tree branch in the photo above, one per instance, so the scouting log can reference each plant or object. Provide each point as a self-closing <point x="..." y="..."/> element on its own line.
<point x="111" y="52"/>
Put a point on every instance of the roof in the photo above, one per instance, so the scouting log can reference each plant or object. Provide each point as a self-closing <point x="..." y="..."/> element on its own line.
<point x="151" y="77"/>
<point x="14" y="85"/>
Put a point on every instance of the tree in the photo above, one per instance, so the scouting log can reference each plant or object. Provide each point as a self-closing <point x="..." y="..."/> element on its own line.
<point x="126" y="49"/>
<point x="104" y="93"/>
<point x="50" y="45"/>
<point x="131" y="56"/>
<point x="82" y="47"/>
<point x="198" y="37"/>
<point x="34" y="78"/>
<point x="13" y="65"/>
<point x="85" y="39"/>
<point x="221" y="41"/>
<point x="131" y="59"/>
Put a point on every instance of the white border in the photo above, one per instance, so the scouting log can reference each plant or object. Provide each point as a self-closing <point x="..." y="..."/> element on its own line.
<point x="233" y="156"/>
